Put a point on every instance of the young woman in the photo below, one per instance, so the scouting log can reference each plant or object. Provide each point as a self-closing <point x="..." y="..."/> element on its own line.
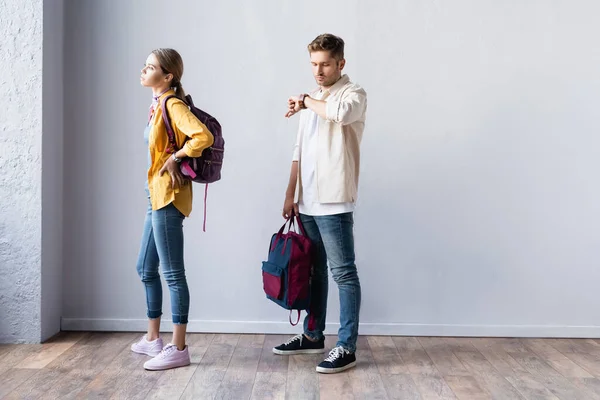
<point x="169" y="202"/>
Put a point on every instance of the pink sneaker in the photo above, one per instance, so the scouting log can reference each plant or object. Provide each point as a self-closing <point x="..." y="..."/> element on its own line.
<point x="151" y="349"/>
<point x="169" y="358"/>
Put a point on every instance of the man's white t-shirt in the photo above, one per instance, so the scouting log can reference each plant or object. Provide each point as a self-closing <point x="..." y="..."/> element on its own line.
<point x="308" y="204"/>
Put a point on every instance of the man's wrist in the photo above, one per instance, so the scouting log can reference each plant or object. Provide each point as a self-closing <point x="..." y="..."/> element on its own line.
<point x="303" y="98"/>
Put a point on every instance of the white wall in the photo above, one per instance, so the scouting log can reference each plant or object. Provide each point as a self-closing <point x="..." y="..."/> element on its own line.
<point x="20" y="169"/>
<point x="52" y="169"/>
<point x="478" y="212"/>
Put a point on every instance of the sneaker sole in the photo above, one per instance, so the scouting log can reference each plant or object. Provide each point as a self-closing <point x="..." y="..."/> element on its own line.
<point x="294" y="352"/>
<point x="336" y="370"/>
<point x="163" y="368"/>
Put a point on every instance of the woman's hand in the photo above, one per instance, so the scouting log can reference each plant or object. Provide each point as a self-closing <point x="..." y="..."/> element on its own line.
<point x="172" y="167"/>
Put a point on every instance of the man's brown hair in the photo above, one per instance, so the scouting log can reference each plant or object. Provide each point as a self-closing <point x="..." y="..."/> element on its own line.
<point x="328" y="42"/>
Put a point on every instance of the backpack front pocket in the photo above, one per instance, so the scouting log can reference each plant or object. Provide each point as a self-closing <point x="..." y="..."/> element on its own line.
<point x="272" y="280"/>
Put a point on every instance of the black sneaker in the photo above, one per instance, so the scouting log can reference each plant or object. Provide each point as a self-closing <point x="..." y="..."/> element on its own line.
<point x="300" y="345"/>
<point x="339" y="360"/>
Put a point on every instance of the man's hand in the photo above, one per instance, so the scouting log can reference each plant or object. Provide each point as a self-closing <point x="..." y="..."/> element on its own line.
<point x="294" y="105"/>
<point x="172" y="167"/>
<point x="290" y="208"/>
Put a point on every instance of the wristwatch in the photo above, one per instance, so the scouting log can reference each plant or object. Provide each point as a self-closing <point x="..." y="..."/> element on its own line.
<point x="301" y="99"/>
<point x="177" y="160"/>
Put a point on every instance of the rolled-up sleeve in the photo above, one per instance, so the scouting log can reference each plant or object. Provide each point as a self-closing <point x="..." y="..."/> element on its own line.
<point x="350" y="108"/>
<point x="296" y="154"/>
<point x="199" y="137"/>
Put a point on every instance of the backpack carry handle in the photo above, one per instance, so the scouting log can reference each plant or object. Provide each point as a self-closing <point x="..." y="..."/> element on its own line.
<point x="300" y="226"/>
<point x="297" y="319"/>
<point x="289" y="222"/>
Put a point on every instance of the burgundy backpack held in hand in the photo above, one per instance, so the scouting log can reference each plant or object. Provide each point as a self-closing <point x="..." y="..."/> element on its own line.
<point x="287" y="272"/>
<point x="206" y="168"/>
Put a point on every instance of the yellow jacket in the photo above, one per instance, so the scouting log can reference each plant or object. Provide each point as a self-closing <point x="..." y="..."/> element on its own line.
<point x="191" y="134"/>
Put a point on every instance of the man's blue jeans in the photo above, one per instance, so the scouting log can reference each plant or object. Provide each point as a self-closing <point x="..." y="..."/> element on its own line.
<point x="333" y="239"/>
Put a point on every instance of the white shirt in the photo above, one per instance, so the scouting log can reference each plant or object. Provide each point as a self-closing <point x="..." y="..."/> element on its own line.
<point x="337" y="166"/>
<point x="309" y="204"/>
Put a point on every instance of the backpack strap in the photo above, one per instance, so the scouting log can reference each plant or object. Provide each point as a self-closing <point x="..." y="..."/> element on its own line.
<point x="173" y="142"/>
<point x="167" y="121"/>
<point x="205" y="197"/>
<point x="297" y="320"/>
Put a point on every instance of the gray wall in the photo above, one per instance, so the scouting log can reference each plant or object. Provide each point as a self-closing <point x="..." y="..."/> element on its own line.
<point x="52" y="168"/>
<point x="21" y="40"/>
<point x="478" y="210"/>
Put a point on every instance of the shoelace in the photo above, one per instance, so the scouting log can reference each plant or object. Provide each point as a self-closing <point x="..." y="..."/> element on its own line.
<point x="295" y="338"/>
<point x="167" y="350"/>
<point x="336" y="353"/>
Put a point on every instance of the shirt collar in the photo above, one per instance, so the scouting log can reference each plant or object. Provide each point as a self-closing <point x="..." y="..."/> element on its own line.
<point x="157" y="99"/>
<point x="337" y="86"/>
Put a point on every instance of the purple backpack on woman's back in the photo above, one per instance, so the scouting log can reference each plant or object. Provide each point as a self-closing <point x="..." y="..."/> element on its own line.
<point x="206" y="168"/>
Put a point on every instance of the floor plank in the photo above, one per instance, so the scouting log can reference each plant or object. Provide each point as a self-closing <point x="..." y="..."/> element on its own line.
<point x="386" y="355"/>
<point x="104" y="385"/>
<point x="335" y="386"/>
<point x="269" y="361"/>
<point x="212" y="368"/>
<point x="466" y="387"/>
<point x="365" y="379"/>
<point x="528" y="385"/>
<point x="241" y="372"/>
<point x="6" y="348"/>
<point x="36" y="385"/>
<point x="442" y="356"/>
<point x="271" y="375"/>
<point x="425" y="374"/>
<point x="17" y="354"/>
<point x="561" y="363"/>
<point x="488" y="377"/>
<point x="579" y="346"/>
<point x="81" y="364"/>
<point x="552" y="379"/>
<point x="302" y="377"/>
<point x="138" y="383"/>
<point x="589" y="385"/>
<point x="531" y="388"/>
<point x="500" y="359"/>
<point x="414" y="356"/>
<point x="13" y="378"/>
<point x="269" y="386"/>
<point x="589" y="362"/>
<point x="172" y="383"/>
<point x="396" y="378"/>
<point x="400" y="387"/>
<point x="101" y="365"/>
<point x="43" y="357"/>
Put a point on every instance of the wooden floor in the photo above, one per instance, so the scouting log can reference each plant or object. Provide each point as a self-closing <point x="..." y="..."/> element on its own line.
<point x="100" y="365"/>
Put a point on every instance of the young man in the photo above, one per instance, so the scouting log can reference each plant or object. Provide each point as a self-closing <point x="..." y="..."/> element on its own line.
<point x="322" y="191"/>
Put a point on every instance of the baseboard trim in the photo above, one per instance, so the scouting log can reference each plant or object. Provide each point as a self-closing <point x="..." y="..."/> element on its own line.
<point x="271" y="327"/>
